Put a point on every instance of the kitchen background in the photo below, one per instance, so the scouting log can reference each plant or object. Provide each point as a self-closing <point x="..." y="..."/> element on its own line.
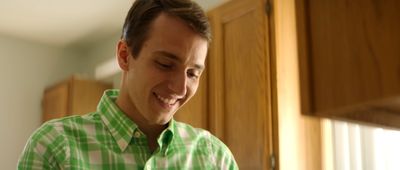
<point x="44" y="42"/>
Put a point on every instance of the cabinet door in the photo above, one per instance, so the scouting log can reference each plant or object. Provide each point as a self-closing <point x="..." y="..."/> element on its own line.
<point x="350" y="59"/>
<point x="55" y="102"/>
<point x="240" y="81"/>
<point x="85" y="95"/>
<point x="71" y="97"/>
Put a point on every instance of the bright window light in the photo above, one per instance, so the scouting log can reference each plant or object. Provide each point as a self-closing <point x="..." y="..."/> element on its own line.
<point x="359" y="147"/>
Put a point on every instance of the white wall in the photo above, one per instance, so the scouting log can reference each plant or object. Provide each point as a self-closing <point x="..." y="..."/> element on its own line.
<point x="25" y="70"/>
<point x="100" y="52"/>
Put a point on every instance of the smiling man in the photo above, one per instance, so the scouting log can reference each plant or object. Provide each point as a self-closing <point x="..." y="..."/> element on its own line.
<point x="162" y="54"/>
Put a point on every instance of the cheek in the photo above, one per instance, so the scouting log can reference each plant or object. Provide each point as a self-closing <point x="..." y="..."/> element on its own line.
<point x="155" y="77"/>
<point x="150" y="75"/>
<point x="192" y="88"/>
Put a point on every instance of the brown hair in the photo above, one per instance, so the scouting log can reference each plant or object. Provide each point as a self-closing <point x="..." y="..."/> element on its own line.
<point x="143" y="12"/>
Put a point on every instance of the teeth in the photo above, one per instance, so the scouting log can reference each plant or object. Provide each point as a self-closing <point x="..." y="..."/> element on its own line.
<point x="166" y="101"/>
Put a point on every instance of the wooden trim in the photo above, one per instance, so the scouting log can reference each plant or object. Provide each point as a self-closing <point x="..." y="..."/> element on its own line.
<point x="299" y="136"/>
<point x="216" y="90"/>
<point x="304" y="61"/>
<point x="273" y="117"/>
<point x="383" y="113"/>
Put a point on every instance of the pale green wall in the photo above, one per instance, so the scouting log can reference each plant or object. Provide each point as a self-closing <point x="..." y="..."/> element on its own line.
<point x="98" y="52"/>
<point x="25" y="70"/>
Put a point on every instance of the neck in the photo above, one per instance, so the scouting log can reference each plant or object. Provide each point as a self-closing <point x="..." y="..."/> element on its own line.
<point x="152" y="131"/>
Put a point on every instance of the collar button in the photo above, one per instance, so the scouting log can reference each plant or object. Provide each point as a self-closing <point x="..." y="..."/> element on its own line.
<point x="137" y="134"/>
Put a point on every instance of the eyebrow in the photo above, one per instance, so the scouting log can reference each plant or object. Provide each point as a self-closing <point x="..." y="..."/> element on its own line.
<point x="176" y="58"/>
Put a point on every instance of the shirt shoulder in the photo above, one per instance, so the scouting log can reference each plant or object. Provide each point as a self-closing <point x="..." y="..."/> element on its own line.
<point x="204" y="140"/>
<point x="54" y="129"/>
<point x="47" y="147"/>
<point x="192" y="134"/>
<point x="68" y="126"/>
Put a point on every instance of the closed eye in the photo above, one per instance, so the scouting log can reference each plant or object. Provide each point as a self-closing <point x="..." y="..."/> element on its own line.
<point x="193" y="75"/>
<point x="164" y="66"/>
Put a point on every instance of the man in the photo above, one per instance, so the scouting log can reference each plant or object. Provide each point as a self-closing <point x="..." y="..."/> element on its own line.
<point x="161" y="53"/>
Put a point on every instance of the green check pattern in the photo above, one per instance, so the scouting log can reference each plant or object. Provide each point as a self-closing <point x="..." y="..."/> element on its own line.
<point x="107" y="139"/>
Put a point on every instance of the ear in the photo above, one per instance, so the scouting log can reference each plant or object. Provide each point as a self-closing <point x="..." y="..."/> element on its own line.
<point x="123" y="55"/>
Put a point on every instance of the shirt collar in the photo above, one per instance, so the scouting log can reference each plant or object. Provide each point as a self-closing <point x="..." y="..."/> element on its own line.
<point x="119" y="125"/>
<point x="166" y="137"/>
<point x="122" y="128"/>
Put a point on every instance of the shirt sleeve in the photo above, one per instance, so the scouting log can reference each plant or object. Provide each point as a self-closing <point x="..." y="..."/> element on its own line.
<point x="43" y="150"/>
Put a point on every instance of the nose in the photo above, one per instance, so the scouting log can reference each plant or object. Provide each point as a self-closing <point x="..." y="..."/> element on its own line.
<point x="178" y="83"/>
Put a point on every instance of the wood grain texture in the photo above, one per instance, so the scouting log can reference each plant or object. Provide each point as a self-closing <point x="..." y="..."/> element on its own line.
<point x="85" y="95"/>
<point x="216" y="83"/>
<point x="73" y="96"/>
<point x="240" y="89"/>
<point x="299" y="136"/>
<point x="55" y="102"/>
<point x="351" y="57"/>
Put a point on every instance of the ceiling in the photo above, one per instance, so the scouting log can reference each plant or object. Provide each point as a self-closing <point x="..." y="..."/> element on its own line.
<point x="62" y="23"/>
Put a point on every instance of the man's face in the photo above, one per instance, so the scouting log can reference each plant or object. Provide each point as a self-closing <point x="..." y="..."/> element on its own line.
<point x="166" y="73"/>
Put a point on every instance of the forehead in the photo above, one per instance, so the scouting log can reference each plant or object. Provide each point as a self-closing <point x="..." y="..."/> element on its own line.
<point x="170" y="34"/>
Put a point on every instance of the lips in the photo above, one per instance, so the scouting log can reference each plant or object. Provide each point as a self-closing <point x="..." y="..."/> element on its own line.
<point x="167" y="102"/>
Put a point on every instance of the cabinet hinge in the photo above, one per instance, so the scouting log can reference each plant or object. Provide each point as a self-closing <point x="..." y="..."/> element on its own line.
<point x="272" y="161"/>
<point x="268" y="8"/>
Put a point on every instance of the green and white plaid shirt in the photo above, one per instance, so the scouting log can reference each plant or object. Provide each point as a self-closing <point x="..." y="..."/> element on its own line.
<point x="108" y="139"/>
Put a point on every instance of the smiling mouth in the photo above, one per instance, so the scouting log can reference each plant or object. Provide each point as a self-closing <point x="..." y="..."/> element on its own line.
<point x="166" y="100"/>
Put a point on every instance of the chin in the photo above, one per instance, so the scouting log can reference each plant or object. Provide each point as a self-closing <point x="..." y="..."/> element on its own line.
<point x="162" y="120"/>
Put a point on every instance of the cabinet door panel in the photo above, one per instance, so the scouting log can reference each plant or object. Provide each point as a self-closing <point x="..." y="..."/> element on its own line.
<point x="239" y="86"/>
<point x="85" y="95"/>
<point x="71" y="97"/>
<point x="55" y="102"/>
<point x="351" y="58"/>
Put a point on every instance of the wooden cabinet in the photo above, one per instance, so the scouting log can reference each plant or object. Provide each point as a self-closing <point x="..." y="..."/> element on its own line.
<point x="73" y="96"/>
<point x="350" y="59"/>
<point x="239" y="82"/>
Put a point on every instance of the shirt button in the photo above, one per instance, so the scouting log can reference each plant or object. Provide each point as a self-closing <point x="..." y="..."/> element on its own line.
<point x="137" y="134"/>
